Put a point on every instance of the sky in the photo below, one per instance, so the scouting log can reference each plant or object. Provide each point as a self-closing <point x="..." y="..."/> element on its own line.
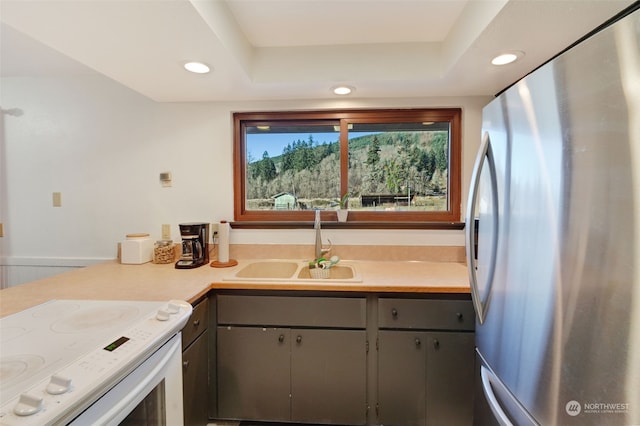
<point x="274" y="143"/>
<point x="258" y="143"/>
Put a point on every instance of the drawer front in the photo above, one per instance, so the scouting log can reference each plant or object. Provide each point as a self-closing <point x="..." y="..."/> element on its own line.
<point x="426" y="314"/>
<point x="292" y="311"/>
<point x="196" y="324"/>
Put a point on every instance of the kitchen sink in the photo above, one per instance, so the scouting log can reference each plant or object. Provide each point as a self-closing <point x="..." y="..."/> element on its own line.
<point x="291" y="271"/>
<point x="337" y="272"/>
<point x="271" y="269"/>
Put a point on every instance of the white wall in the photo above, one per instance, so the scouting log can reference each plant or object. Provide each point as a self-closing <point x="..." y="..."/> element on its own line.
<point x="103" y="147"/>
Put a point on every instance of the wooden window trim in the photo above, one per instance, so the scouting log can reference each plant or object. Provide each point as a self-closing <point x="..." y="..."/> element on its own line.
<point x="451" y="216"/>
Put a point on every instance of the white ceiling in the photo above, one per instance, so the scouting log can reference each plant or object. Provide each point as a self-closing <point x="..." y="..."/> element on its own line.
<point x="292" y="49"/>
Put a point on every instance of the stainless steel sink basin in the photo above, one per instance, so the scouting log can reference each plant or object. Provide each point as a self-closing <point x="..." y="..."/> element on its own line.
<point x="291" y="271"/>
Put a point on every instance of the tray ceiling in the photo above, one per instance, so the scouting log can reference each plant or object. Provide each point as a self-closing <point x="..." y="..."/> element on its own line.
<point x="292" y="49"/>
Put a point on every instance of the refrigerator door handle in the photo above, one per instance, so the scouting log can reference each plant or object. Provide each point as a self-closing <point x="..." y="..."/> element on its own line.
<point x="492" y="400"/>
<point x="484" y="158"/>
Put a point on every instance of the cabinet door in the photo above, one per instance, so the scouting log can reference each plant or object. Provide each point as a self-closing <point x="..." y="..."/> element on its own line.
<point x="253" y="373"/>
<point x="328" y="376"/>
<point x="450" y="378"/>
<point x="402" y="375"/>
<point x="195" y="360"/>
<point x="196" y="324"/>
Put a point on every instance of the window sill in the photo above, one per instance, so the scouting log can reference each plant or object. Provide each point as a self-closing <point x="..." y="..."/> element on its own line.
<point x="349" y="225"/>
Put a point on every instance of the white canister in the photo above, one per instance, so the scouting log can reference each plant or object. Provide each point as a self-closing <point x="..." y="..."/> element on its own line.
<point x="136" y="249"/>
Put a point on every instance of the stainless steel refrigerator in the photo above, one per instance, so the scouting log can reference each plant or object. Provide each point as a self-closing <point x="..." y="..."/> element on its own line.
<point x="553" y="239"/>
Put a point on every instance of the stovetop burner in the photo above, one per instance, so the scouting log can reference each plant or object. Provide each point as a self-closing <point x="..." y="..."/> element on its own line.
<point x="14" y="369"/>
<point x="95" y="319"/>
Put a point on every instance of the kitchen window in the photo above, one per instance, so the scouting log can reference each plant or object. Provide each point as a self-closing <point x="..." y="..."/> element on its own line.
<point x="387" y="166"/>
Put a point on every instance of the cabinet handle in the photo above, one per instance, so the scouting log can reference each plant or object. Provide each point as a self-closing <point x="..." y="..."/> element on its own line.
<point x="394" y="312"/>
<point x="196" y="323"/>
<point x="281" y="338"/>
<point x="436" y="344"/>
<point x="299" y="339"/>
<point x="418" y="342"/>
<point x="185" y="364"/>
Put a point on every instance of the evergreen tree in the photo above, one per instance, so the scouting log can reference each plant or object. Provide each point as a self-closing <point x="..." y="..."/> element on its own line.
<point x="373" y="153"/>
<point x="266" y="168"/>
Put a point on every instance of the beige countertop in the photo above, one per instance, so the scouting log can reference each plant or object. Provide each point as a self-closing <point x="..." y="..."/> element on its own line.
<point x="115" y="281"/>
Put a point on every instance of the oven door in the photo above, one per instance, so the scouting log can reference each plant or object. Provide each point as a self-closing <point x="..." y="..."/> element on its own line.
<point x="150" y="395"/>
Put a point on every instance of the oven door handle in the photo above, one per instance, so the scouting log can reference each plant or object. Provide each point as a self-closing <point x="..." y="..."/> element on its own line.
<point x="164" y="364"/>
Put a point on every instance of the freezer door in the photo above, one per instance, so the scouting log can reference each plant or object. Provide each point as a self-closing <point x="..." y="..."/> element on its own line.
<point x="504" y="409"/>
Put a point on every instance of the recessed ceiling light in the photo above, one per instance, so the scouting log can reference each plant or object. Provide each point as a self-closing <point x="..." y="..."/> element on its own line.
<point x="342" y="90"/>
<point x="197" y="67"/>
<point x="507" y="57"/>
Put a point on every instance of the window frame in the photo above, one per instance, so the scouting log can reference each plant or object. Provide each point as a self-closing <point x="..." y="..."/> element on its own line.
<point x="452" y="115"/>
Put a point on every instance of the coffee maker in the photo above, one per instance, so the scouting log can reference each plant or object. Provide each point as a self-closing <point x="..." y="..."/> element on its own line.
<point x="195" y="245"/>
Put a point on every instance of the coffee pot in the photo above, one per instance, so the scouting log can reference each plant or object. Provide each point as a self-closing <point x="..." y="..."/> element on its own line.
<point x="195" y="245"/>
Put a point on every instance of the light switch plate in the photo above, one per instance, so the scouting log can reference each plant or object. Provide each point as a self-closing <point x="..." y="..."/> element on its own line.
<point x="57" y="199"/>
<point x="165" y="179"/>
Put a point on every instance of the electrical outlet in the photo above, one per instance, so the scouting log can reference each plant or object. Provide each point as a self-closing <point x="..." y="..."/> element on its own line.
<point x="166" y="231"/>
<point x="214" y="228"/>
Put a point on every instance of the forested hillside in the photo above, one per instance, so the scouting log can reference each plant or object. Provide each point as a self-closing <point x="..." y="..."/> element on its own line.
<point x="412" y="163"/>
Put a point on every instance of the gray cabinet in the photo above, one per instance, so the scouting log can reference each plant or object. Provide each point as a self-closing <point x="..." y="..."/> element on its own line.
<point x="300" y="359"/>
<point x="328" y="376"/>
<point x="402" y="373"/>
<point x="195" y="360"/>
<point x="425" y="362"/>
<point x="253" y="373"/>
<point x="450" y="378"/>
<point x="357" y="359"/>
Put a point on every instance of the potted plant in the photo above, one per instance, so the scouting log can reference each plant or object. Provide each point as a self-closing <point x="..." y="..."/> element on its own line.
<point x="343" y="211"/>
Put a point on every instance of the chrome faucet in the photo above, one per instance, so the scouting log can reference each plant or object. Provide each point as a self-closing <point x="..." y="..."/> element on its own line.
<point x="319" y="250"/>
<point x="316" y="226"/>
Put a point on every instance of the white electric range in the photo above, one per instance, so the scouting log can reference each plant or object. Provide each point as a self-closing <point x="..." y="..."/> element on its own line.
<point x="58" y="359"/>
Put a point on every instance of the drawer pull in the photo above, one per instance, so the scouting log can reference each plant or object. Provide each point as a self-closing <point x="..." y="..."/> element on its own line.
<point x="299" y="339"/>
<point x="185" y="364"/>
<point x="436" y="344"/>
<point x="460" y="316"/>
<point x="394" y="312"/>
<point x="418" y="343"/>
<point x="196" y="323"/>
<point x="281" y="338"/>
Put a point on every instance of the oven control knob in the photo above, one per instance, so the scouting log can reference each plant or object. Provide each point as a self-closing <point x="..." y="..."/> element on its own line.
<point x="163" y="315"/>
<point x="58" y="385"/>
<point x="28" y="405"/>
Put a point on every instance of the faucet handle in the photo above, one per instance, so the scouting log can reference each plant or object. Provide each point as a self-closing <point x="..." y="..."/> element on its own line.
<point x="325" y="251"/>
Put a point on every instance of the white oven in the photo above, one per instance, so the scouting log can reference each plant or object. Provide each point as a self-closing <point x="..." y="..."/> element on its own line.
<point x="79" y="362"/>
